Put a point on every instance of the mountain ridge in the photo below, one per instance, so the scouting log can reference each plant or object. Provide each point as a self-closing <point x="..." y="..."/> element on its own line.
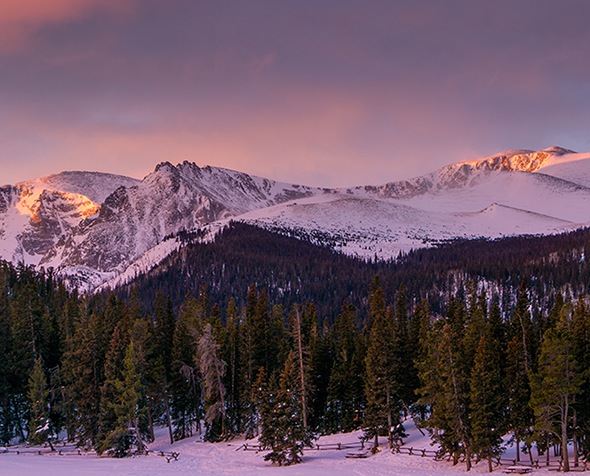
<point x="93" y="237"/>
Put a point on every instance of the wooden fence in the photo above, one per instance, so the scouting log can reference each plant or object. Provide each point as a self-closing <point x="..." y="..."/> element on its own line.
<point x="69" y="450"/>
<point x="554" y="465"/>
<point x="316" y="447"/>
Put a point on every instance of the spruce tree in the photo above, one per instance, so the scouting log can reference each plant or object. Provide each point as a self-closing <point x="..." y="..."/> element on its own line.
<point x="283" y="429"/>
<point x="212" y="368"/>
<point x="38" y="394"/>
<point x="487" y="403"/>
<point x="129" y="408"/>
<point x="185" y="401"/>
<point x="382" y="385"/>
<point x="581" y="355"/>
<point x="554" y="387"/>
<point x="346" y="397"/>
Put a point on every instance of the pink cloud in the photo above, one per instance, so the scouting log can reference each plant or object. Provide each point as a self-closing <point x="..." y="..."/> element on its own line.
<point x="20" y="19"/>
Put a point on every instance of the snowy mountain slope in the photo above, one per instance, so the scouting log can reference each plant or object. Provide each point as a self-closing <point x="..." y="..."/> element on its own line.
<point x="536" y="192"/>
<point x="574" y="168"/>
<point x="96" y="186"/>
<point x="169" y="200"/>
<point x="90" y="238"/>
<point x="367" y="227"/>
<point x="467" y="174"/>
<point x="507" y="194"/>
<point x="37" y="214"/>
<point x="147" y="261"/>
<point x="95" y="227"/>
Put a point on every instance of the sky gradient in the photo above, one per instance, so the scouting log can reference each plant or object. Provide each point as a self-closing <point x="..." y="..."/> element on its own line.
<point x="318" y="92"/>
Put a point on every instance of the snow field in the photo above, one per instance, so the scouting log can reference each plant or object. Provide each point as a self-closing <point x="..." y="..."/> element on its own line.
<point x="198" y="458"/>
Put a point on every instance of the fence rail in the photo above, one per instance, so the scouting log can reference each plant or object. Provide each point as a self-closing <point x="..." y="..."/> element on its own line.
<point x="73" y="451"/>
<point x="316" y="447"/>
<point x="31" y="450"/>
<point x="422" y="452"/>
<point x="554" y="465"/>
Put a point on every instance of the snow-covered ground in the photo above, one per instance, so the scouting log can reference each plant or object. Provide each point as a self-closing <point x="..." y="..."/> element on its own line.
<point x="201" y="459"/>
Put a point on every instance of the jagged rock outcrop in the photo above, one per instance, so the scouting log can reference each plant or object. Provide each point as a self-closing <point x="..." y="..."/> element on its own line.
<point x="91" y="226"/>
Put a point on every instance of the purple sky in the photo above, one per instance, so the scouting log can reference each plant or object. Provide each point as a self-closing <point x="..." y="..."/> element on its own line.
<point x="320" y="92"/>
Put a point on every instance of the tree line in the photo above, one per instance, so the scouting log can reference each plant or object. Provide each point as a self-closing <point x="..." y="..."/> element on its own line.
<point x="104" y="371"/>
<point x="293" y="270"/>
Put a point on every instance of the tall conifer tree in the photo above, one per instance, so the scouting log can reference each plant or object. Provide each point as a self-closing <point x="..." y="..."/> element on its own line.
<point x="487" y="403"/>
<point x="283" y="429"/>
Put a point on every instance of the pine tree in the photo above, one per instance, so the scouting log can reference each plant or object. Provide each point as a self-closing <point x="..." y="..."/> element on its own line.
<point x="520" y="414"/>
<point x="165" y="323"/>
<point x="554" y="387"/>
<point x="487" y="404"/>
<point x="212" y="369"/>
<point x="346" y="397"/>
<point x="475" y="325"/>
<point x="83" y="372"/>
<point x="403" y="369"/>
<point x="320" y="365"/>
<point x="254" y="338"/>
<point x="39" y="431"/>
<point x="234" y="378"/>
<point x="8" y="390"/>
<point x="109" y="394"/>
<point x="301" y="355"/>
<point x="283" y="429"/>
<point x="128" y="407"/>
<point x="581" y="355"/>
<point x="521" y="358"/>
<point x="184" y="387"/>
<point x="445" y="390"/>
<point x="497" y="333"/>
<point x="455" y="388"/>
<point x="420" y="327"/>
<point x="382" y="386"/>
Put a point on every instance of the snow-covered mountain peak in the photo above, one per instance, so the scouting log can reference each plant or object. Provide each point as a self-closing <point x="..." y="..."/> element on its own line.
<point x="92" y="226"/>
<point x="237" y="191"/>
<point x="171" y="199"/>
<point x="469" y="173"/>
<point x="37" y="215"/>
<point x="97" y="186"/>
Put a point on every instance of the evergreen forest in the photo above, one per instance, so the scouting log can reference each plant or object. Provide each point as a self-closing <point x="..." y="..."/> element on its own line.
<point x="259" y="334"/>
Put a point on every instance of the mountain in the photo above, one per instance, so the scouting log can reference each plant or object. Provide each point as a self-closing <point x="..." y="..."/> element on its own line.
<point x="37" y="215"/>
<point x="507" y="194"/>
<point x="92" y="227"/>
<point x="89" y="238"/>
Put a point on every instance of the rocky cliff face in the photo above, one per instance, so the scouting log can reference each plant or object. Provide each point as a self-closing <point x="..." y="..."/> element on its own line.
<point x="38" y="215"/>
<point x="91" y="227"/>
<point x="47" y="223"/>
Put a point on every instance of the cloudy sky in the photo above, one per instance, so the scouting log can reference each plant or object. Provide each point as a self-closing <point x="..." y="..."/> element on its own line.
<point x="320" y="92"/>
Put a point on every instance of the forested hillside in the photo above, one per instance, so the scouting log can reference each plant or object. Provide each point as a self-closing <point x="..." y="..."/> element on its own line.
<point x="292" y="270"/>
<point x="230" y="334"/>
